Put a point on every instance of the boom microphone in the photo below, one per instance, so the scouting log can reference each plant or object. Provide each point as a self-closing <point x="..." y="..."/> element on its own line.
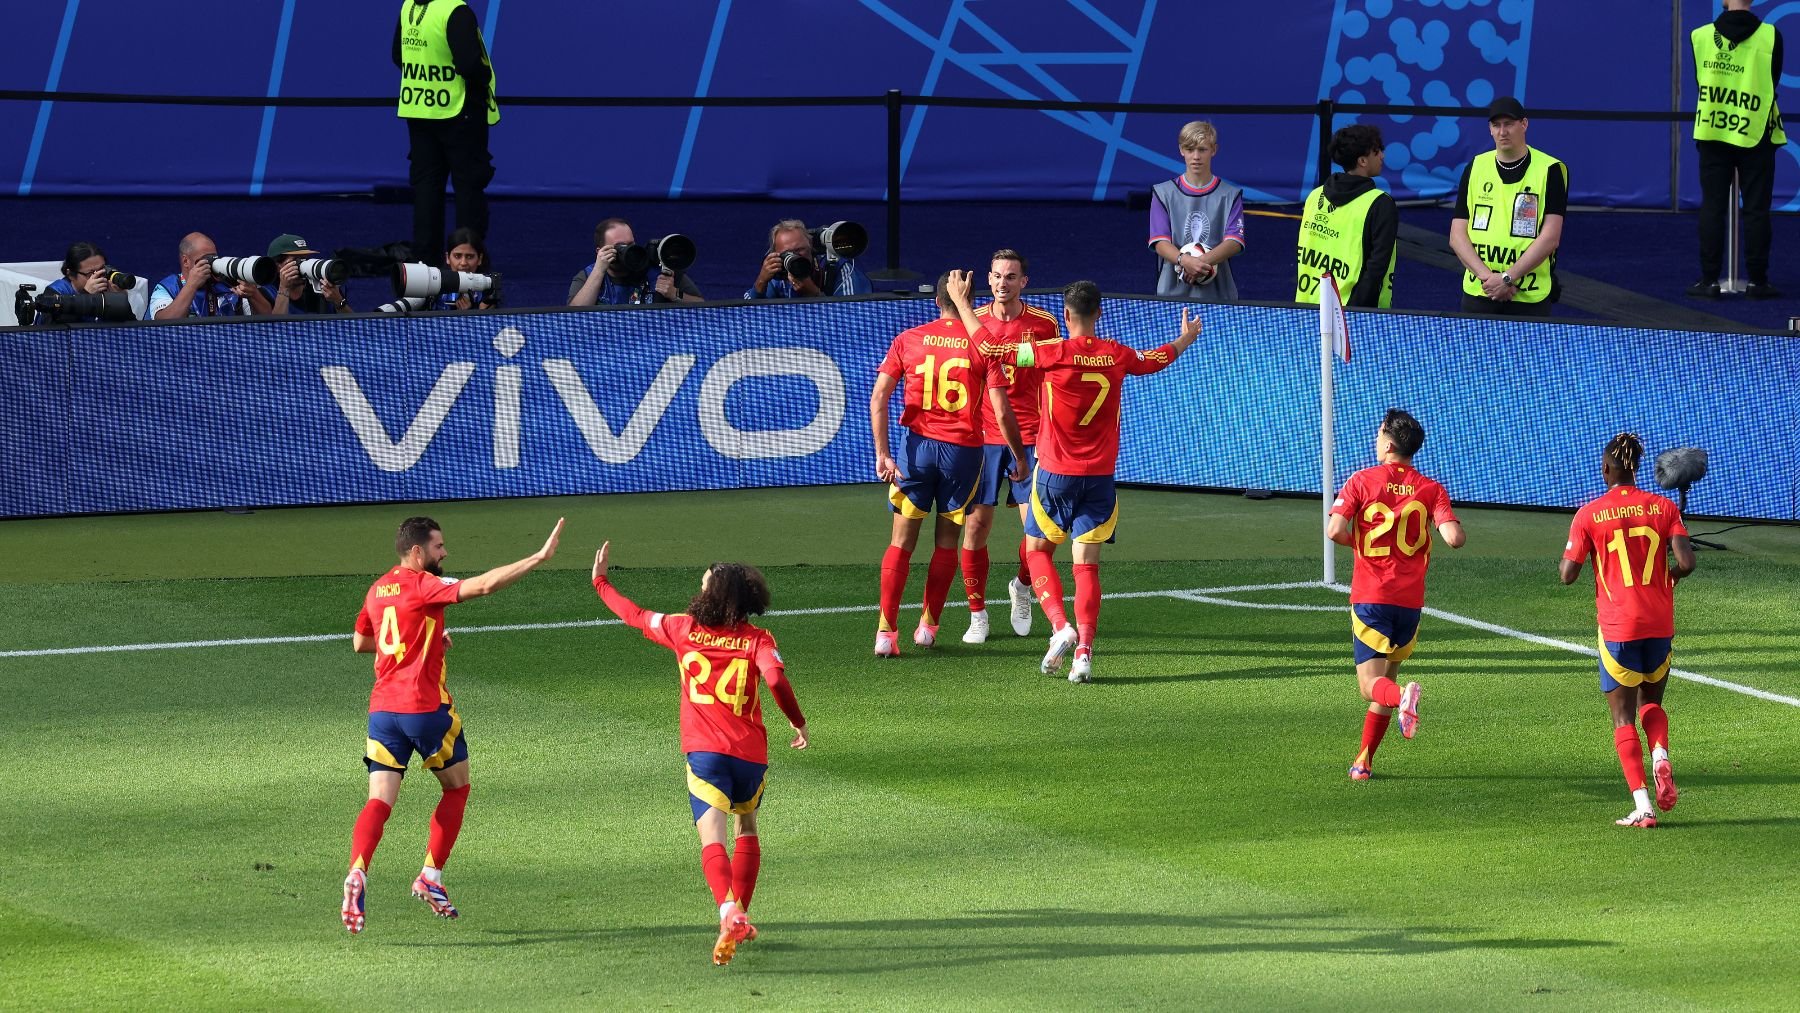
<point x="1680" y="468"/>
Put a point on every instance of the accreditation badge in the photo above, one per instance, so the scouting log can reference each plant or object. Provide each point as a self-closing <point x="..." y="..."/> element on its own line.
<point x="1525" y="215"/>
<point x="1483" y="214"/>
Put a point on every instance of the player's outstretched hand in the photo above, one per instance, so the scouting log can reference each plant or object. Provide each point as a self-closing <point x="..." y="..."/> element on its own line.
<point x="799" y="737"/>
<point x="600" y="561"/>
<point x="549" y="548"/>
<point x="1190" y="328"/>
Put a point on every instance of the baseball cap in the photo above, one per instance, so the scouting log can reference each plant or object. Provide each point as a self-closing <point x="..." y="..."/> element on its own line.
<point x="289" y="243"/>
<point x="1506" y="106"/>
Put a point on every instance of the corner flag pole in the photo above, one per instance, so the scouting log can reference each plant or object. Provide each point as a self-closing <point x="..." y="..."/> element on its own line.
<point x="1334" y="337"/>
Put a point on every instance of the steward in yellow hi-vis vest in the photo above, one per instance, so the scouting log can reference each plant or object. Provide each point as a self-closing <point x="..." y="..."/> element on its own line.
<point x="1348" y="227"/>
<point x="1737" y="131"/>
<point x="1508" y="222"/>
<point x="447" y="100"/>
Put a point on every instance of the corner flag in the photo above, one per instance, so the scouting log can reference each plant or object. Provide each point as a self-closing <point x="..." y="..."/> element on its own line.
<point x="1332" y="326"/>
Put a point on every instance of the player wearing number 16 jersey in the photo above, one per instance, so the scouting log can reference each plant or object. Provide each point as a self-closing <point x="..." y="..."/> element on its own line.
<point x="1630" y="532"/>
<point x="1385" y="514"/>
<point x="722" y="660"/>
<point x="410" y="710"/>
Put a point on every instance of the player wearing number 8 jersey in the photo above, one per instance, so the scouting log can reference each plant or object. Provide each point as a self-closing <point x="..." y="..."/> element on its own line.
<point x="1385" y="514"/>
<point x="946" y="376"/>
<point x="410" y="710"/>
<point x="722" y="658"/>
<point x="1630" y="532"/>
<point x="1072" y="495"/>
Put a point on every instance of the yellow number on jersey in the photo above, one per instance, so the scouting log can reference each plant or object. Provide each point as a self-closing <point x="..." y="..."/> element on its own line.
<point x="952" y="394"/>
<point x="1617" y="547"/>
<point x="1412" y="535"/>
<point x="698" y="670"/>
<point x="1105" y="389"/>
<point x="387" y="640"/>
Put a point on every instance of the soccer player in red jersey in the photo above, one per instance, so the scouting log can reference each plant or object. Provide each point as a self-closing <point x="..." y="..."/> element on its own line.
<point x="722" y="658"/>
<point x="1630" y="532"/>
<point x="946" y="374"/>
<point x="1072" y="495"/>
<point x="402" y="624"/>
<point x="1382" y="514"/>
<point x="1008" y="321"/>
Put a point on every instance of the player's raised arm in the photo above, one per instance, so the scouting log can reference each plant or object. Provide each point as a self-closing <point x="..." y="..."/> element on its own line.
<point x="1190" y="330"/>
<point x="957" y="286"/>
<point x="1163" y="356"/>
<point x="503" y="576"/>
<point x="615" y="600"/>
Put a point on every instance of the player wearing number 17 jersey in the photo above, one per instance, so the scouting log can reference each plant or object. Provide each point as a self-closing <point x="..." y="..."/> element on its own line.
<point x="1630" y="532"/>
<point x="410" y="710"/>
<point x="1385" y="514"/>
<point x="722" y="659"/>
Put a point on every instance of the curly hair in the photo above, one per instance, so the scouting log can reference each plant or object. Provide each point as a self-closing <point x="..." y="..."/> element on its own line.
<point x="734" y="593"/>
<point x="1625" y="450"/>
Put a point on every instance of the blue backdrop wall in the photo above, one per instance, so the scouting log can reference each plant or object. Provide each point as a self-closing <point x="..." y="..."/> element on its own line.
<point x="447" y="406"/>
<point x="1619" y="55"/>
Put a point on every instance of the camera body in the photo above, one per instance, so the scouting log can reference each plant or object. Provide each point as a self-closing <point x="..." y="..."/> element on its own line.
<point x="797" y="265"/>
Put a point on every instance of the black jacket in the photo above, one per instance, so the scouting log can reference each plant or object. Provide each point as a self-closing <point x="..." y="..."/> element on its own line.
<point x="1379" y="234"/>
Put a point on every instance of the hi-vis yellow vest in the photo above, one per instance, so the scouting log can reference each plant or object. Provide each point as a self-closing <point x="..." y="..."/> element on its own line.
<point x="1331" y="239"/>
<point x="430" y="88"/>
<point x="1737" y="89"/>
<point x="1505" y="217"/>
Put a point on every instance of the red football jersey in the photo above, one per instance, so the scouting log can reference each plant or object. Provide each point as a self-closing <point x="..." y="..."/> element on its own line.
<point x="1083" y="378"/>
<point x="945" y="377"/>
<point x="1392" y="509"/>
<point x="721" y="707"/>
<point x="404" y="612"/>
<point x="1628" y="531"/>
<point x="1030" y="327"/>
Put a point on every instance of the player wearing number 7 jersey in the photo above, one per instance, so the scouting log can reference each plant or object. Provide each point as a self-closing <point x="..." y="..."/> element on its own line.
<point x="1385" y="514"/>
<point x="410" y="710"/>
<point x="1630" y="532"/>
<point x="721" y="660"/>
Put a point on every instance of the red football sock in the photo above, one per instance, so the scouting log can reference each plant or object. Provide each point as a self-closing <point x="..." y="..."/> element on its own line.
<point x="1374" y="727"/>
<point x="446" y="823"/>
<point x="368" y="832"/>
<point x="1024" y="563"/>
<point x="1046" y="583"/>
<point x="717" y="867"/>
<point x="975" y="575"/>
<point x="1656" y="725"/>
<point x="1385" y="692"/>
<point x="1087" y="602"/>
<point x="746" y="860"/>
<point x="893" y="586"/>
<point x="1631" y="755"/>
<point x="937" y="584"/>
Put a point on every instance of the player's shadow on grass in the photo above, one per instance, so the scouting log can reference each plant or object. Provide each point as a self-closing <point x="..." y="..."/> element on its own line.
<point x="1045" y="934"/>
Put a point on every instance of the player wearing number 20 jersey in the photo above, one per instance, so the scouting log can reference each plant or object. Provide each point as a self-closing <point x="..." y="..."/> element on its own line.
<point x="1385" y="514"/>
<point x="722" y="660"/>
<point x="1630" y="533"/>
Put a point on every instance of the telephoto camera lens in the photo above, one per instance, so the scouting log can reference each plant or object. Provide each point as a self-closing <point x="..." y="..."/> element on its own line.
<point x="108" y="307"/>
<point x="674" y="251"/>
<point x="318" y="270"/>
<point x="423" y="280"/>
<point x="255" y="270"/>
<point x="841" y="240"/>
<point x="405" y="304"/>
<point x="121" y="280"/>
<point x="797" y="266"/>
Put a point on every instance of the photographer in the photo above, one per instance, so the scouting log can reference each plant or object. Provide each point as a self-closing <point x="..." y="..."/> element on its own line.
<point x="194" y="292"/>
<point x="608" y="282"/>
<point x="85" y="272"/>
<point x="790" y="269"/>
<point x="292" y="292"/>
<point x="468" y="255"/>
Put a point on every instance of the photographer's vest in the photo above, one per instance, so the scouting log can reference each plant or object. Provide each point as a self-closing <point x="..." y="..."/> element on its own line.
<point x="430" y="88"/>
<point x="1197" y="217"/>
<point x="1505" y="217"/>
<point x="1737" y="88"/>
<point x="1331" y="239"/>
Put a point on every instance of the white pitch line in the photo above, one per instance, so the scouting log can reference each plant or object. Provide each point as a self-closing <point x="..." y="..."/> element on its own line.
<point x="574" y="624"/>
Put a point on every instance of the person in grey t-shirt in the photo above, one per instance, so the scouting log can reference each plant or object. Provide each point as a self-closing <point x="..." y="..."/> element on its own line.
<point x="1197" y="223"/>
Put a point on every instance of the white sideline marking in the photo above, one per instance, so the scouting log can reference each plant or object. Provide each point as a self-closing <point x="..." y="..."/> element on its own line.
<point x="574" y="624"/>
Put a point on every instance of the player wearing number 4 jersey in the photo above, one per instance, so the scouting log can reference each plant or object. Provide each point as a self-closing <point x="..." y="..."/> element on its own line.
<point x="722" y="659"/>
<point x="1630" y="532"/>
<point x="1385" y="514"/>
<point x="946" y="375"/>
<point x="1072" y="496"/>
<point x="410" y="710"/>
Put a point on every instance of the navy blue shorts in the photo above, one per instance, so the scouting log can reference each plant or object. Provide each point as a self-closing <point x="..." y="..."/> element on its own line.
<point x="1634" y="662"/>
<point x="726" y="783"/>
<point x="996" y="465"/>
<point x="1082" y="507"/>
<point x="935" y="476"/>
<point x="1383" y="631"/>
<point x="437" y="736"/>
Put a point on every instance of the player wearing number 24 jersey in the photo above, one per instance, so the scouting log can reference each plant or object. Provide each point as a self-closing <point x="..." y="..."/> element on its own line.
<point x="722" y="661"/>
<point x="1630" y="533"/>
<point x="410" y="710"/>
<point x="1385" y="514"/>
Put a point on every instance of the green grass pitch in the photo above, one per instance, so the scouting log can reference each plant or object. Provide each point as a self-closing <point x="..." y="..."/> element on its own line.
<point x="965" y="833"/>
